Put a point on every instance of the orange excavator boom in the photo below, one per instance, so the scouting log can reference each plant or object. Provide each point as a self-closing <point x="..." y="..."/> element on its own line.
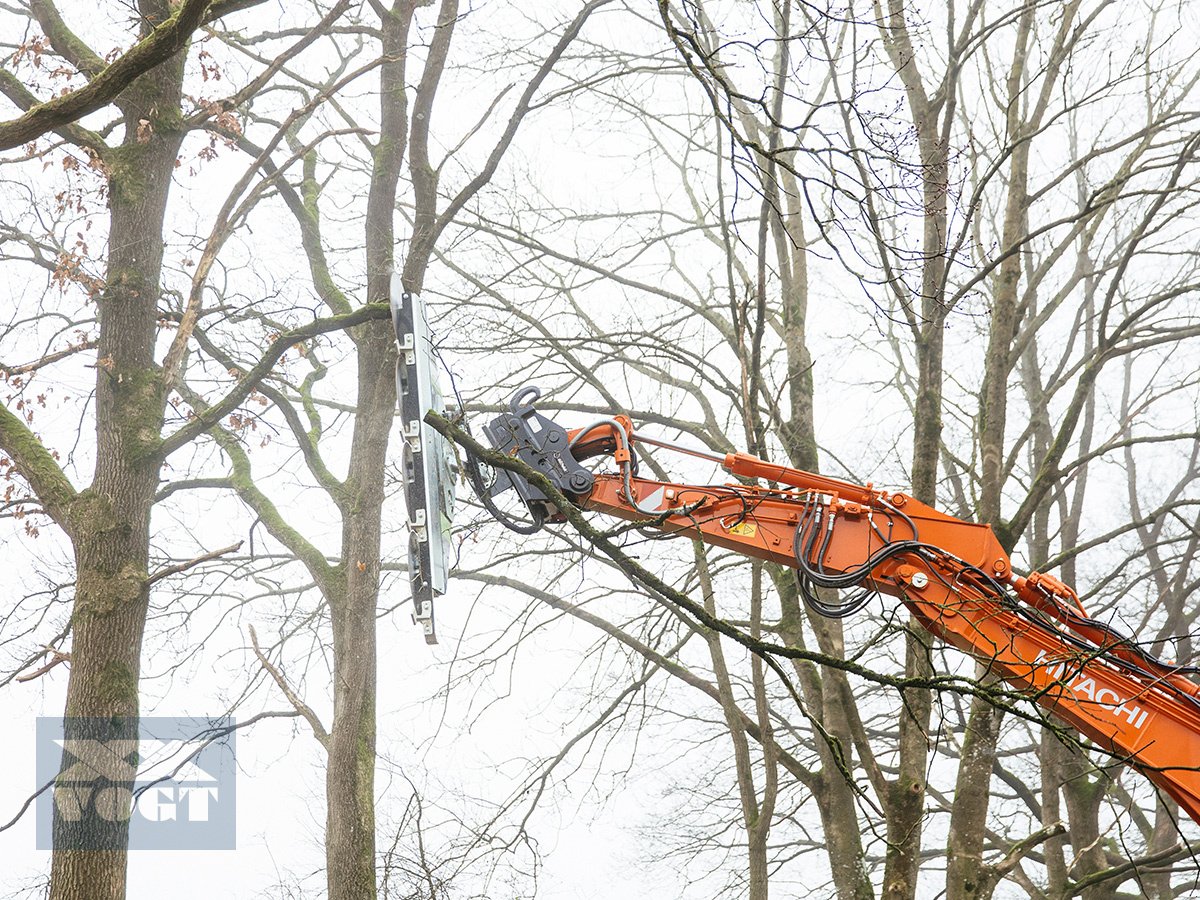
<point x="952" y="575"/>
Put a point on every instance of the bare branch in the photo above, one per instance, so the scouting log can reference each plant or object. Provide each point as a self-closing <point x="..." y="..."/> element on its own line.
<point x="301" y="707"/>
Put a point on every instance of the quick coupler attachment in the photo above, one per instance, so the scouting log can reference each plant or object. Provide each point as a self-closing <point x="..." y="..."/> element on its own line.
<point x="527" y="435"/>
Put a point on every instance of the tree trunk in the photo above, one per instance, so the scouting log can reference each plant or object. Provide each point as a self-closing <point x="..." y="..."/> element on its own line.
<point x="968" y="818"/>
<point x="965" y="876"/>
<point x="906" y="806"/>
<point x="110" y="522"/>
<point x="350" y="772"/>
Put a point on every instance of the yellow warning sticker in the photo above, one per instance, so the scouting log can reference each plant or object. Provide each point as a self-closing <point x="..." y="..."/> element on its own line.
<point x="744" y="528"/>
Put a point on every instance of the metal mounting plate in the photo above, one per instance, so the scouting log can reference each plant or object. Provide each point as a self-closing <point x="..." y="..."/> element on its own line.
<point x="428" y="460"/>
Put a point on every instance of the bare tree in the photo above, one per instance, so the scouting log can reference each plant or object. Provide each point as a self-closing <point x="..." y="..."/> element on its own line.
<point x="108" y="523"/>
<point x="1032" y="304"/>
<point x="930" y="247"/>
<point x="347" y="578"/>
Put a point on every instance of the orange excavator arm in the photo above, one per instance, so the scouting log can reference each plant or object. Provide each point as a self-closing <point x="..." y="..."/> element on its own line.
<point x="953" y="576"/>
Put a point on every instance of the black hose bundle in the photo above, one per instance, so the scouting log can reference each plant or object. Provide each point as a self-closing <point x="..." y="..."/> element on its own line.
<point x="475" y="476"/>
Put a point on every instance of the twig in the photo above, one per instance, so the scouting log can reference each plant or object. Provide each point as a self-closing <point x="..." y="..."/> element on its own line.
<point x="25" y="806"/>
<point x="60" y="656"/>
<point x="301" y="707"/>
<point x="211" y="736"/>
<point x="184" y="566"/>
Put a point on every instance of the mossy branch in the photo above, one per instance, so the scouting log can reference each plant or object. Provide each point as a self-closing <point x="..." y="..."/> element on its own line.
<point x="307" y="210"/>
<point x="320" y="370"/>
<point x="65" y="42"/>
<point x="225" y="7"/>
<point x="157" y="47"/>
<point x="242" y="479"/>
<point x="213" y="414"/>
<point x="35" y="464"/>
<point x="16" y="91"/>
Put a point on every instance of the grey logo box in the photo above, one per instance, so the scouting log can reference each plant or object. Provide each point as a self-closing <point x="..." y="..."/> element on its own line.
<point x="160" y="782"/>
